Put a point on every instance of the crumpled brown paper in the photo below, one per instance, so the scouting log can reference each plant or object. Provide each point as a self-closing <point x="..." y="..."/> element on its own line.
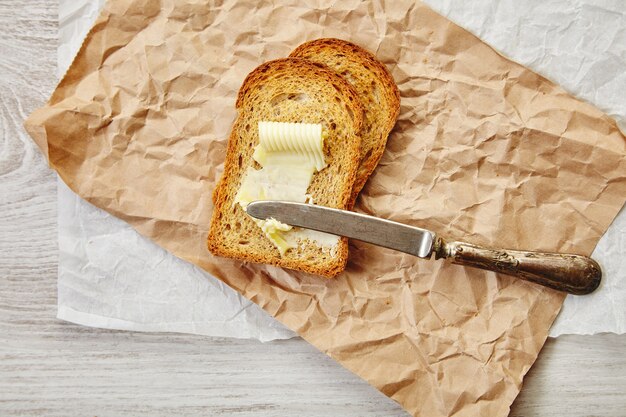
<point x="485" y="150"/>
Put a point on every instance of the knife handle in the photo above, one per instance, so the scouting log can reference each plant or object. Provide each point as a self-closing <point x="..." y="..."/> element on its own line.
<point x="574" y="274"/>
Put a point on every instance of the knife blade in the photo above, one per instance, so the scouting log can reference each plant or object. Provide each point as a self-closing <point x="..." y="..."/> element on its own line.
<point x="381" y="232"/>
<point x="571" y="273"/>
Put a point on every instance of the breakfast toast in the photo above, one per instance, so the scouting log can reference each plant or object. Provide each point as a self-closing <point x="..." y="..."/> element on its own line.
<point x="296" y="91"/>
<point x="376" y="89"/>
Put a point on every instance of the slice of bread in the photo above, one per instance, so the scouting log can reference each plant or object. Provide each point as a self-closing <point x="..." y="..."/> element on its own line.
<point x="376" y="88"/>
<point x="289" y="90"/>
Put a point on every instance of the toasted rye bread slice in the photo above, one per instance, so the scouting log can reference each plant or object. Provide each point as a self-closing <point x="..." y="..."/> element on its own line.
<point x="376" y="88"/>
<point x="289" y="90"/>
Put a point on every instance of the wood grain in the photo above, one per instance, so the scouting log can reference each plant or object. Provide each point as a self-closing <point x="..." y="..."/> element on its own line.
<point x="52" y="368"/>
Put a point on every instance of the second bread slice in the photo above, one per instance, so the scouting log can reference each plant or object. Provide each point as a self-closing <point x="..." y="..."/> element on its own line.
<point x="377" y="91"/>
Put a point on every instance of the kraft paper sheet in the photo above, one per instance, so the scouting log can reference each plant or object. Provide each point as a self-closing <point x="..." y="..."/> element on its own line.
<point x="485" y="150"/>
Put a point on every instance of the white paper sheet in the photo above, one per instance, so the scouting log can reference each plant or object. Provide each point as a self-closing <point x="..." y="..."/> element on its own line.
<point x="581" y="45"/>
<point x="111" y="277"/>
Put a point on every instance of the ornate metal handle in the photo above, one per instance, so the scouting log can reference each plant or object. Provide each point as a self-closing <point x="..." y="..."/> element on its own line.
<point x="574" y="274"/>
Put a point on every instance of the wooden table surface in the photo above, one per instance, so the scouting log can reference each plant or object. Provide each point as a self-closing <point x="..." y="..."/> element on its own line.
<point x="49" y="367"/>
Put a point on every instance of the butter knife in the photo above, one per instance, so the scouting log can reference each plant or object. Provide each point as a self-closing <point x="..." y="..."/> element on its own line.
<point x="574" y="274"/>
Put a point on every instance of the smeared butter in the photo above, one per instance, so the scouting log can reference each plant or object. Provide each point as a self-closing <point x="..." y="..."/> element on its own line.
<point x="289" y="155"/>
<point x="272" y="229"/>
